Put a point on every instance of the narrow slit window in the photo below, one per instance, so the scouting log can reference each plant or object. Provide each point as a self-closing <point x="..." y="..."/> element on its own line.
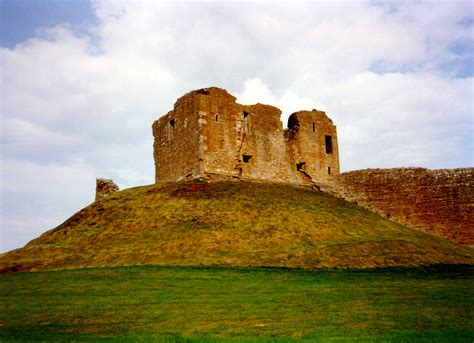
<point x="300" y="166"/>
<point x="328" y="142"/>
<point x="171" y="127"/>
<point x="218" y="118"/>
<point x="329" y="170"/>
<point x="314" y="127"/>
<point x="246" y="158"/>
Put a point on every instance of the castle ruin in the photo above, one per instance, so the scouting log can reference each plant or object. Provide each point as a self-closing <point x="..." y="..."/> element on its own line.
<point x="208" y="134"/>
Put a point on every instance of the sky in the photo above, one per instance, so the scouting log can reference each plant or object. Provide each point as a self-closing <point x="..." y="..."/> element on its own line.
<point x="81" y="82"/>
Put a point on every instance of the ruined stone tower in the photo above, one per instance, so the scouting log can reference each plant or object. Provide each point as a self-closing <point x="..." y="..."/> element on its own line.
<point x="209" y="134"/>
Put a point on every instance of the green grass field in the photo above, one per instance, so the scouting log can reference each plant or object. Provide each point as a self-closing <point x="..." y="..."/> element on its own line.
<point x="151" y="303"/>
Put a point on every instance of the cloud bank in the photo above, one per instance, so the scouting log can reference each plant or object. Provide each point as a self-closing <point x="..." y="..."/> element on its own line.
<point x="78" y="103"/>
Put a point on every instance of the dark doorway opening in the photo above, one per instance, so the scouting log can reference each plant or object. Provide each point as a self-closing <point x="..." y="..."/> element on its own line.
<point x="300" y="166"/>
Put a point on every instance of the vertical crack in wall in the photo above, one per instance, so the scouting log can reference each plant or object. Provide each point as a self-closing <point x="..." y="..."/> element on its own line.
<point x="238" y="166"/>
<point x="308" y="178"/>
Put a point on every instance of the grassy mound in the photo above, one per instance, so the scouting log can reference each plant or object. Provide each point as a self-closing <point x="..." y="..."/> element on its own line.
<point x="230" y="224"/>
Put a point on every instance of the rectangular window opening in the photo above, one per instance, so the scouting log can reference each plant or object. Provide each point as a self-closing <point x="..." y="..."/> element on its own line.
<point x="328" y="142"/>
<point x="314" y="127"/>
<point x="329" y="170"/>
<point x="246" y="158"/>
<point x="300" y="166"/>
<point x="172" y="123"/>
<point x="246" y="114"/>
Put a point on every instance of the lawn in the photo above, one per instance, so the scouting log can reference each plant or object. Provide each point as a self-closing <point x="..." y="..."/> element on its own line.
<point x="152" y="303"/>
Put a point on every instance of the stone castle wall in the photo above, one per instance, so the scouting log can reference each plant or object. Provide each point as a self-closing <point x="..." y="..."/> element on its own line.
<point x="440" y="202"/>
<point x="208" y="133"/>
<point x="313" y="138"/>
<point x="176" y="148"/>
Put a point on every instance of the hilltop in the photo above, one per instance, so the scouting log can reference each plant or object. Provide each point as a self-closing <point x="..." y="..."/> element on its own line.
<point x="240" y="224"/>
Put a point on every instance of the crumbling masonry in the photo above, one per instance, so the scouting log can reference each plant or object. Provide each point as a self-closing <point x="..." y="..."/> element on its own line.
<point x="208" y="134"/>
<point x="104" y="187"/>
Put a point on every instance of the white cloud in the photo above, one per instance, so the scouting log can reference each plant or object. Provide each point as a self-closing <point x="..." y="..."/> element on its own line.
<point x="26" y="176"/>
<point x="76" y="106"/>
<point x="37" y="197"/>
<point x="255" y="91"/>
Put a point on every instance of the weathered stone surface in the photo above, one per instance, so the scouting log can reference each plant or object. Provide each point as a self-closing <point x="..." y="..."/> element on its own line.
<point x="104" y="187"/>
<point x="208" y="134"/>
<point x="440" y="202"/>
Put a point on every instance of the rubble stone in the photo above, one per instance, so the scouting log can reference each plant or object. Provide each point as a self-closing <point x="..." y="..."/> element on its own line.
<point x="104" y="187"/>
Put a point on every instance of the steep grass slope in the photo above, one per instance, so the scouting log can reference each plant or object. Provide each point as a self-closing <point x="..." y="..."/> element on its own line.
<point x="230" y="224"/>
